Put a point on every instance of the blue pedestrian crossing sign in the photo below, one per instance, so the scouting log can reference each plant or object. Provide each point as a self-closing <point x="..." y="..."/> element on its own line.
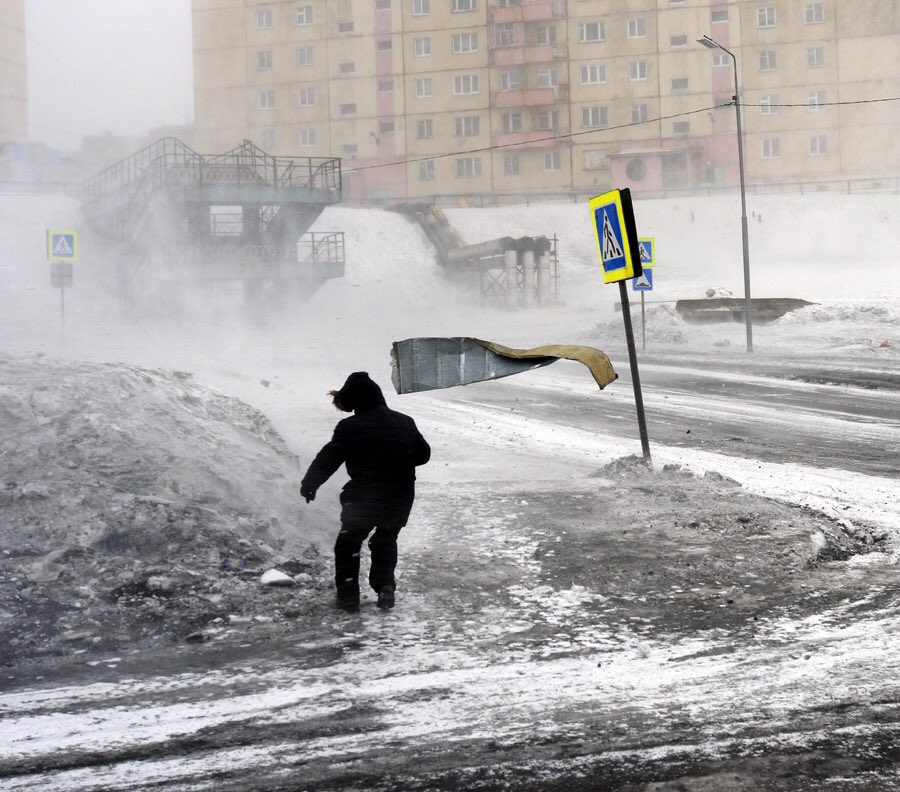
<point x="643" y="282"/>
<point x="647" y="249"/>
<point x="62" y="246"/>
<point x="616" y="235"/>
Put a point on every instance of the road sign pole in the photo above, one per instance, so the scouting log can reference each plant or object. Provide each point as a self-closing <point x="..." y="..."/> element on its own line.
<point x="643" y="326"/>
<point x="62" y="312"/>
<point x="635" y="377"/>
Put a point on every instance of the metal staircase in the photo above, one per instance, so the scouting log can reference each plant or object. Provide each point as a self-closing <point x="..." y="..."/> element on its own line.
<point x="172" y="215"/>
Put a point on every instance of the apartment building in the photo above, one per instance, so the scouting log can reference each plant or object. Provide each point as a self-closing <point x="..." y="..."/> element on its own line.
<point x="13" y="84"/>
<point x="425" y="97"/>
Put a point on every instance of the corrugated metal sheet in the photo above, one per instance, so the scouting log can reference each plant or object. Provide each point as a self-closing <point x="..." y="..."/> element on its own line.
<point x="430" y="363"/>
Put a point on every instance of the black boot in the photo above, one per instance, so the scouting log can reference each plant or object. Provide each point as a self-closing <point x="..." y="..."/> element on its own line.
<point x="348" y="599"/>
<point x="386" y="597"/>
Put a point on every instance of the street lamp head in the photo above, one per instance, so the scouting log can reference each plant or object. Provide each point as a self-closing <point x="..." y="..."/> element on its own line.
<point x="707" y="42"/>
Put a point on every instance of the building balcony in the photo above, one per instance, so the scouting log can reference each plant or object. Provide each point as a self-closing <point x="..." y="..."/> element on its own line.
<point x="530" y="11"/>
<point x="532" y="97"/>
<point x="518" y="55"/>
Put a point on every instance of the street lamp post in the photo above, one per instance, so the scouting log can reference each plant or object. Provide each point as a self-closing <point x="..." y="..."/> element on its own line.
<point x="706" y="41"/>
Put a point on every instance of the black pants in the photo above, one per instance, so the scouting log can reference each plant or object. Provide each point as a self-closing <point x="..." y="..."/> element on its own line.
<point x="383" y="546"/>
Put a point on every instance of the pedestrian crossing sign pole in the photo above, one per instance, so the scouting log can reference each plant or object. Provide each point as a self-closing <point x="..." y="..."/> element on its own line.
<point x="62" y="250"/>
<point x="620" y="259"/>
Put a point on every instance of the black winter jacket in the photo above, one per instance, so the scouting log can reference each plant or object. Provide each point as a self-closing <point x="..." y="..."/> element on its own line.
<point x="381" y="449"/>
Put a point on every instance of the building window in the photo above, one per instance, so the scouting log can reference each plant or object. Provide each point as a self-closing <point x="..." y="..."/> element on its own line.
<point x="348" y="109"/>
<point x="385" y="127"/>
<point x="816" y="100"/>
<point x="459" y="6"/>
<point x="304" y="15"/>
<point x="508" y="3"/>
<point x="680" y="84"/>
<point x="264" y="19"/>
<point x="385" y="85"/>
<point x="347" y="69"/>
<point x="548" y="78"/>
<point x="637" y="28"/>
<point x="264" y="59"/>
<point x="552" y="161"/>
<point x="511" y="164"/>
<point x="308" y="137"/>
<point x="818" y="146"/>
<point x="546" y="34"/>
<point x="591" y="31"/>
<point x="594" y="74"/>
<point x="597" y="116"/>
<point x="464" y="42"/>
<point x="718" y="16"/>
<point x="548" y="120"/>
<point x="510" y="80"/>
<point x="468" y="126"/>
<point x="423" y="87"/>
<point x="765" y="17"/>
<point x="768" y="104"/>
<point x="422" y="46"/>
<point x="426" y="171"/>
<point x="505" y="35"/>
<point x="267" y="99"/>
<point x="350" y="151"/>
<point x="421" y="7"/>
<point x="386" y="45"/>
<point x="468" y="167"/>
<point x="637" y="70"/>
<point x="719" y="59"/>
<point x="345" y="27"/>
<point x="815" y="57"/>
<point x="771" y="148"/>
<point x="638" y="113"/>
<point x="307" y="96"/>
<point x="681" y="127"/>
<point x="678" y="42"/>
<point x="465" y="84"/>
<point x="814" y="14"/>
<point x="424" y="129"/>
<point x="511" y="122"/>
<point x="382" y="5"/>
<point x="305" y="56"/>
<point x="767" y="60"/>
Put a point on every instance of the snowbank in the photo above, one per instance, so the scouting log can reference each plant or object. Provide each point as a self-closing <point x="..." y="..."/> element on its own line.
<point x="127" y="480"/>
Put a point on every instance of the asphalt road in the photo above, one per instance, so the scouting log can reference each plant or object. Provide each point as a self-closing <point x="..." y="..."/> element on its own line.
<point x="825" y="415"/>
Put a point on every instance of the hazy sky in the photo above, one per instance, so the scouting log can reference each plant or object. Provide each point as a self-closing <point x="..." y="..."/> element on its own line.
<point x="96" y="65"/>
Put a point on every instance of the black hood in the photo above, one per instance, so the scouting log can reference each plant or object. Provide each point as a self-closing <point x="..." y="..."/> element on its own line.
<point x="358" y="393"/>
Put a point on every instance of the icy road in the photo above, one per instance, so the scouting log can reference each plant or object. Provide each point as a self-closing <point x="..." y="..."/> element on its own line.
<point x="565" y="621"/>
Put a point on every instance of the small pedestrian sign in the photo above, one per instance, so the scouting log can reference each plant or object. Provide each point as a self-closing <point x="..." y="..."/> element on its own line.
<point x="647" y="249"/>
<point x="644" y="281"/>
<point x="616" y="235"/>
<point x="62" y="246"/>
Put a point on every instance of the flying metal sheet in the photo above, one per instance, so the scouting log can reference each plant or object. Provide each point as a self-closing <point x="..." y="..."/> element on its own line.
<point x="429" y="363"/>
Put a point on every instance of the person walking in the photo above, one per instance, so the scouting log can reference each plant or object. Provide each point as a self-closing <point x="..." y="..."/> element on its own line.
<point x="381" y="449"/>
